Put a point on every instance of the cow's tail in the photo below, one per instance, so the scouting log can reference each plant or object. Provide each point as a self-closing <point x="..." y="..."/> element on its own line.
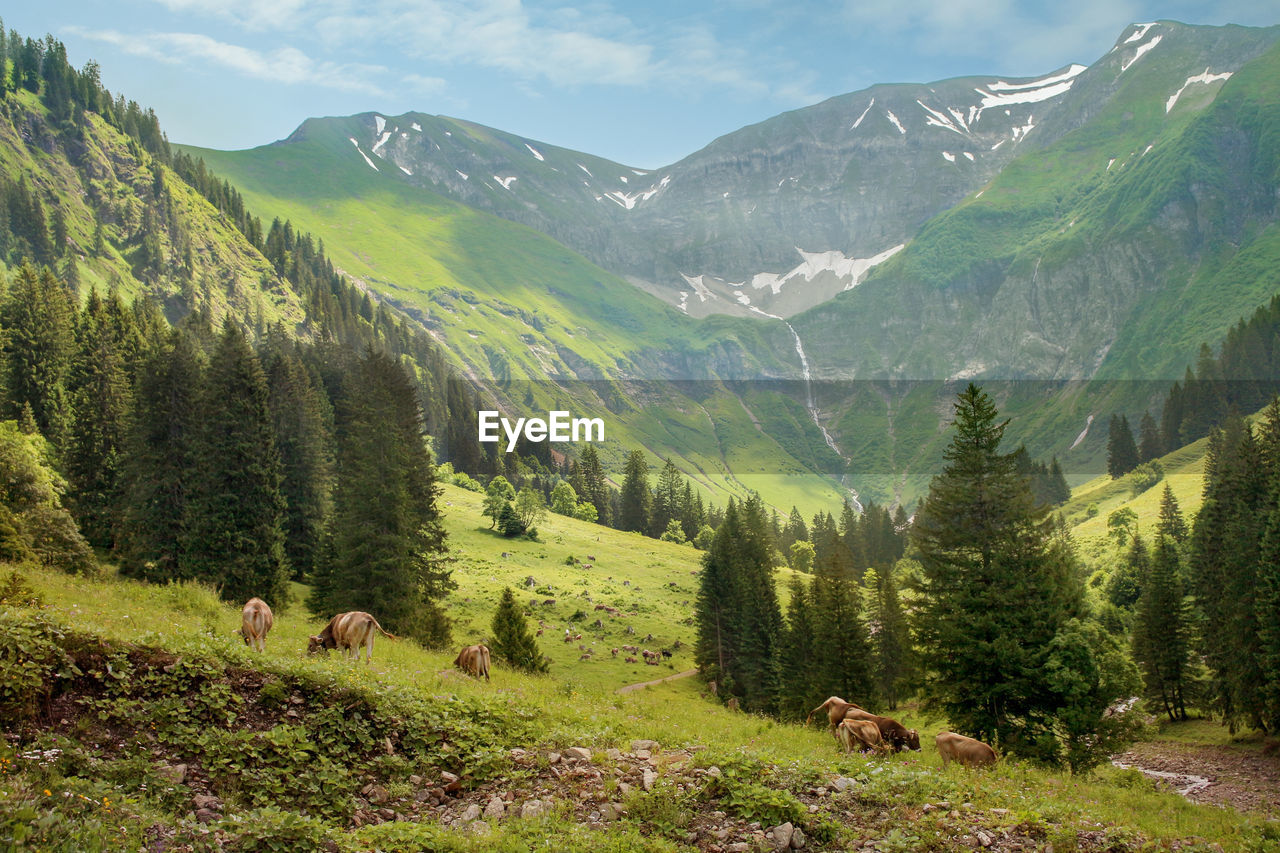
<point x="384" y="631"/>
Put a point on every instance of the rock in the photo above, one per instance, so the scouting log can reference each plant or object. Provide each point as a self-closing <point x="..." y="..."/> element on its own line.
<point x="472" y="813"/>
<point x="375" y="793"/>
<point x="984" y="839"/>
<point x="844" y="783"/>
<point x="207" y="815"/>
<point x="999" y="811"/>
<point x="206" y="801"/>
<point x="720" y="834"/>
<point x="648" y="779"/>
<point x="577" y="753"/>
<point x="422" y="795"/>
<point x="782" y="836"/>
<point x="387" y="814"/>
<point x="713" y="771"/>
<point x="495" y="809"/>
<point x="643" y="754"/>
<point x="517" y="753"/>
<point x="624" y="788"/>
<point x="738" y="847"/>
<point x="174" y="773"/>
<point x="797" y="839"/>
<point x="450" y="782"/>
<point x="387" y="746"/>
<point x="637" y="745"/>
<point x="534" y="808"/>
<point x="553" y="758"/>
<point x="415" y="780"/>
<point x="613" y="754"/>
<point x="479" y="827"/>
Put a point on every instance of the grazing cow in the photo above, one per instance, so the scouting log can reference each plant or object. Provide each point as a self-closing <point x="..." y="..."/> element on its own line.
<point x="964" y="750"/>
<point x="255" y="622"/>
<point x="613" y="652"/>
<point x="732" y="704"/>
<point x="666" y="653"/>
<point x="474" y="661"/>
<point x="861" y="733"/>
<point x="348" y="631"/>
<point x="629" y="659"/>
<point x="894" y="733"/>
<point x="586" y="656"/>
<point x="835" y="708"/>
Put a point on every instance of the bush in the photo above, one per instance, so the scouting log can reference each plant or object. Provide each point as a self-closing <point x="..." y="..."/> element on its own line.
<point x="1144" y="477"/>
<point x="31" y="657"/>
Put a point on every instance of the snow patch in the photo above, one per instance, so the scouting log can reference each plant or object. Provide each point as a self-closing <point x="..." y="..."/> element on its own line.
<point x="1020" y="133"/>
<point x="1206" y="78"/>
<point x="814" y="263"/>
<point x="948" y="156"/>
<point x="629" y="200"/>
<point x="684" y="301"/>
<point x="462" y="175"/>
<point x="969" y="156"/>
<point x="506" y="182"/>
<point x="893" y="118"/>
<point x="585" y="169"/>
<point x="366" y="158"/>
<point x="535" y="153"/>
<point x="382" y="140"/>
<point x="380" y="122"/>
<point x="742" y="298"/>
<point x="1145" y="150"/>
<point x="639" y="172"/>
<point x="1142" y="50"/>
<point x="406" y="171"/>
<point x="1140" y="33"/>
<point x="623" y="178"/>
<point x="703" y="292"/>
<point x="1110" y="163"/>
<point x="937" y="118"/>
<point x="864" y="114"/>
<point x="998" y="144"/>
<point x="1088" y="422"/>
<point x="416" y="127"/>
<point x="352" y="139"/>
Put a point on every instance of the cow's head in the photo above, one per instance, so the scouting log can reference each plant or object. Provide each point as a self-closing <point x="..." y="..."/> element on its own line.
<point x="913" y="739"/>
<point x="316" y="644"/>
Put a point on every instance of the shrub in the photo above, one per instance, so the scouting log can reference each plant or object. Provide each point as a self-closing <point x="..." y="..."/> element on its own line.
<point x="31" y="656"/>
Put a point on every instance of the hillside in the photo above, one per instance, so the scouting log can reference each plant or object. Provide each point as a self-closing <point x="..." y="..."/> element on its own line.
<point x="156" y="724"/>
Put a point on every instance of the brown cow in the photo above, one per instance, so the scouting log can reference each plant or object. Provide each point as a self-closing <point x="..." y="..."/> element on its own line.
<point x="963" y="750"/>
<point x="255" y="621"/>
<point x="835" y="708"/>
<point x="894" y="733"/>
<point x="348" y="631"/>
<point x="474" y="661"/>
<point x="864" y="733"/>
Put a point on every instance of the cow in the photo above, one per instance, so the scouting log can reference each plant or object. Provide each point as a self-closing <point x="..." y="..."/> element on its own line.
<point x="963" y="750"/>
<point x="835" y="708"/>
<point x="348" y="631"/>
<point x="629" y="659"/>
<point x="474" y="661"/>
<point x="898" y="736"/>
<point x="861" y="733"/>
<point x="255" y="621"/>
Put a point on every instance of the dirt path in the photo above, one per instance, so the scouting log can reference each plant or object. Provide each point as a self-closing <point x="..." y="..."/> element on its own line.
<point x="632" y="687"/>
<point x="1244" y="779"/>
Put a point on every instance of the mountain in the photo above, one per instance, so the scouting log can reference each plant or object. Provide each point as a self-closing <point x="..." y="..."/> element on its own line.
<point x="1096" y="222"/>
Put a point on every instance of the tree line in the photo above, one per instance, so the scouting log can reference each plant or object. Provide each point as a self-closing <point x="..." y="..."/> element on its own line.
<point x="985" y="619"/>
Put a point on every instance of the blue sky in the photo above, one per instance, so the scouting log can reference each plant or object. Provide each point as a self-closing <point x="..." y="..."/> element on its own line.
<point x="644" y="83"/>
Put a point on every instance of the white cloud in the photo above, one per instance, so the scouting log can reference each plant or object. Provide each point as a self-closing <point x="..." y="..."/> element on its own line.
<point x="282" y="65"/>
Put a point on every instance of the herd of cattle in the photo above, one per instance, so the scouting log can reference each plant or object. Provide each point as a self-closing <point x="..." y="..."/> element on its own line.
<point x="853" y="726"/>
<point x="856" y="728"/>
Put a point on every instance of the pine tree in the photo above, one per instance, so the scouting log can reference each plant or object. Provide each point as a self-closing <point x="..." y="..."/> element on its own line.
<point x="1171" y="522"/>
<point x="100" y="392"/>
<point x="38" y="342"/>
<point x="1122" y="453"/>
<point x="890" y="638"/>
<point x="801" y="654"/>
<point x="159" y="470"/>
<point x="512" y="641"/>
<point x="635" y="499"/>
<point x="1149" y="444"/>
<point x="389" y="543"/>
<point x="669" y="494"/>
<point x="996" y="587"/>
<point x="836" y="598"/>
<point x="235" y="537"/>
<point x="594" y="489"/>
<point x="1161" y="632"/>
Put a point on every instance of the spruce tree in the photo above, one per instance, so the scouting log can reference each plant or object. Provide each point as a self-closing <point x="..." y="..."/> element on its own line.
<point x="801" y="654"/>
<point x="634" y="501"/>
<point x="389" y="544"/>
<point x="669" y="494"/>
<point x="1149" y="444"/>
<point x="159" y="469"/>
<point x="37" y="316"/>
<point x="1122" y="452"/>
<point x="235" y="537"/>
<point x="594" y="489"/>
<point x="890" y="638"/>
<point x="1162" y="632"/>
<point x="498" y="494"/>
<point x="512" y="641"/>
<point x="996" y="583"/>
<point x="837" y="616"/>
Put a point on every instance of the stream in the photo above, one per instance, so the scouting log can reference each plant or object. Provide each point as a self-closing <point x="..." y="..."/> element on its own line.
<point x="1185" y="784"/>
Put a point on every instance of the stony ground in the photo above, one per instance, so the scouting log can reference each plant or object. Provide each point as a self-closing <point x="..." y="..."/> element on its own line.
<point x="1245" y="779"/>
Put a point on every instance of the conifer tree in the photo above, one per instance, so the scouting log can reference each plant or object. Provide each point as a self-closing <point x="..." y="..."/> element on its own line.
<point x="389" y="544"/>
<point x="1161" y="632"/>
<point x="235" y="537"/>
<point x="1149" y="444"/>
<point x="100" y="392"/>
<point x="1171" y="522"/>
<point x="634" y="501"/>
<point x="594" y="489"/>
<point x="1122" y="452"/>
<point x="801" y="654"/>
<point x="890" y="638"/>
<point x="498" y="494"/>
<point x="996" y="587"/>
<point x="668" y="497"/>
<point x="37" y="316"/>
<point x="159" y="470"/>
<point x="836" y="598"/>
<point x="512" y="641"/>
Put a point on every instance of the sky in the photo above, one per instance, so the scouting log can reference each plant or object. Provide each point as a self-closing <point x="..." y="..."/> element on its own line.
<point x="645" y="82"/>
